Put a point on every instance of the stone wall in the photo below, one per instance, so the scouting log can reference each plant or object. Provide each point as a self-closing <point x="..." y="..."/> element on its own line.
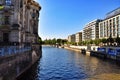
<point x="15" y="65"/>
<point x="85" y="47"/>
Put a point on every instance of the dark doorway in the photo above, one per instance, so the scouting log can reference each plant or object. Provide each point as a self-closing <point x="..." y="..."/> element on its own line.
<point x="5" y="37"/>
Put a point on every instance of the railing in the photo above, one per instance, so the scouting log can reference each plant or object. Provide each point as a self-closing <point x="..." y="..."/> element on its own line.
<point x="101" y="49"/>
<point x="9" y="50"/>
<point x="113" y="52"/>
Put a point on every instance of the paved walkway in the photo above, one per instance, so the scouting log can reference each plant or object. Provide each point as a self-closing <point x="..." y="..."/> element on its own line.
<point x="109" y="76"/>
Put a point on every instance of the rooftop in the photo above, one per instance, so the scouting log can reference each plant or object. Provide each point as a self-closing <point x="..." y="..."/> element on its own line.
<point x="113" y="13"/>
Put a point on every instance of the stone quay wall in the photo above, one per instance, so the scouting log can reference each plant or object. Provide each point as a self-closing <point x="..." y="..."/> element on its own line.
<point x="14" y="65"/>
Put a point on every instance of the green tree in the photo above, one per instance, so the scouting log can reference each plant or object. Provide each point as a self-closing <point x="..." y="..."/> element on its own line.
<point x="84" y="42"/>
<point x="104" y="41"/>
<point x="80" y="43"/>
<point x="97" y="41"/>
<point x="91" y="41"/>
<point x="110" y="40"/>
<point x="59" y="41"/>
<point x="64" y="41"/>
<point x="73" y="43"/>
<point x="117" y="40"/>
<point x="48" y="41"/>
<point x="87" y="42"/>
<point x="53" y="41"/>
<point x="40" y="40"/>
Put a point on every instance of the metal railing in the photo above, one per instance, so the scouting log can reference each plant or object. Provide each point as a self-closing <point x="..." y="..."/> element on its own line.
<point x="9" y="50"/>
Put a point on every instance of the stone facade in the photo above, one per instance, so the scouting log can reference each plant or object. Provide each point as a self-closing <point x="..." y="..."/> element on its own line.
<point x="19" y="21"/>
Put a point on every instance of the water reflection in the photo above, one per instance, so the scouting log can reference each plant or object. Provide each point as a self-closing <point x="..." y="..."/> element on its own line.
<point x="61" y="64"/>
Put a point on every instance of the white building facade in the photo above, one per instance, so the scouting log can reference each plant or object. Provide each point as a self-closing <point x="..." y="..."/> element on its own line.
<point x="91" y="30"/>
<point x="78" y="37"/>
<point x="71" y="38"/>
<point x="110" y="26"/>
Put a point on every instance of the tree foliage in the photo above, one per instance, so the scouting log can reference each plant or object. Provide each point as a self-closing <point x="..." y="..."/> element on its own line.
<point x="87" y="42"/>
<point x="104" y="40"/>
<point x="117" y="40"/>
<point x="54" y="41"/>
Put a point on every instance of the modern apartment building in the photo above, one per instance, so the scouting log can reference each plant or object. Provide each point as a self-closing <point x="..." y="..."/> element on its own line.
<point x="91" y="30"/>
<point x="110" y="26"/>
<point x="19" y="21"/>
<point x="78" y="37"/>
<point x="71" y="38"/>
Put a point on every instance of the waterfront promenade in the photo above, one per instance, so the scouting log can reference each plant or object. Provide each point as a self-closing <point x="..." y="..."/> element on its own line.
<point x="101" y="52"/>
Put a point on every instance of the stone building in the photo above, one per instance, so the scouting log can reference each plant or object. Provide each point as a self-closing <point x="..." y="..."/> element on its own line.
<point x="19" y="22"/>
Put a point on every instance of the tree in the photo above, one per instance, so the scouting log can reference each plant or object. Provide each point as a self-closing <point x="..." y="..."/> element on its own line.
<point x="64" y="41"/>
<point x="40" y="40"/>
<point x="53" y="41"/>
<point x="104" y="41"/>
<point x="91" y="41"/>
<point x="59" y="41"/>
<point x="73" y="43"/>
<point x="84" y="42"/>
<point x="110" y="40"/>
<point x="80" y="43"/>
<point x="117" y="40"/>
<point x="97" y="41"/>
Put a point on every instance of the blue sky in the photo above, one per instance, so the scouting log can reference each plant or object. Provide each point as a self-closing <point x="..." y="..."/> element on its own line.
<point x="60" y="18"/>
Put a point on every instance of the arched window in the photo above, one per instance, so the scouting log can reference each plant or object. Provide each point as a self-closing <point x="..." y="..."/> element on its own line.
<point x="8" y="2"/>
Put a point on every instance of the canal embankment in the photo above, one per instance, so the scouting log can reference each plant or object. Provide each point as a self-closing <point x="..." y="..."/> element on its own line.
<point x="36" y="54"/>
<point x="74" y="49"/>
<point x="82" y="49"/>
<point x="14" y="61"/>
<point x="112" y="53"/>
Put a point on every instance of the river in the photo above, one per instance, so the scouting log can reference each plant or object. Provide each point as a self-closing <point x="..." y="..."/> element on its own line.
<point x="62" y="64"/>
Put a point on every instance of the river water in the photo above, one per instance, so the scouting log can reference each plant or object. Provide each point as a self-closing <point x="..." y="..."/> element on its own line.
<point x="62" y="64"/>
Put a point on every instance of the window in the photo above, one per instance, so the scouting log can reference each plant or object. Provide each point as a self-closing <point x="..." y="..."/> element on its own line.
<point x="21" y="4"/>
<point x="7" y="20"/>
<point x="8" y="2"/>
